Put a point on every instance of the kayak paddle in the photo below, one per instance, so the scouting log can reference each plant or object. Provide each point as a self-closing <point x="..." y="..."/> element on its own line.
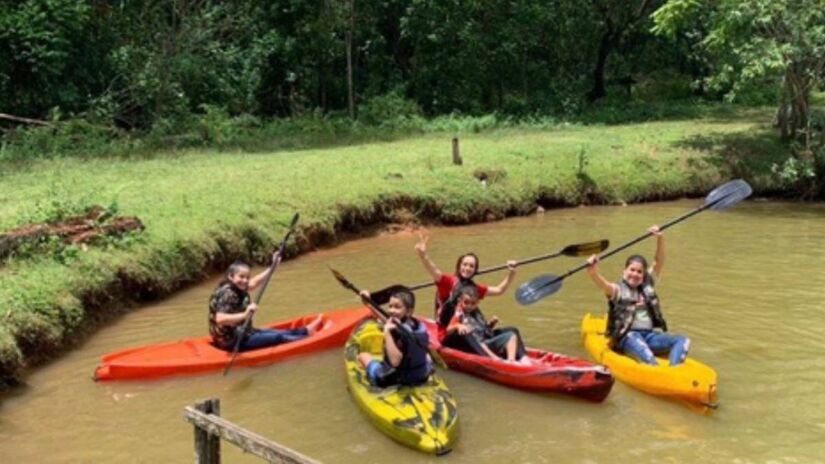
<point x="248" y="321"/>
<point x="721" y="197"/>
<point x="382" y="315"/>
<point x="578" y="249"/>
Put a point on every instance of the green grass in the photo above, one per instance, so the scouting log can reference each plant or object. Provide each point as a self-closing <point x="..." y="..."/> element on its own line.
<point x="202" y="209"/>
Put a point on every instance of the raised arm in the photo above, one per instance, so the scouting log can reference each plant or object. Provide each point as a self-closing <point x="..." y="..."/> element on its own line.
<point x="508" y="279"/>
<point x="256" y="281"/>
<point x="608" y="288"/>
<point x="429" y="265"/>
<point x="659" y="259"/>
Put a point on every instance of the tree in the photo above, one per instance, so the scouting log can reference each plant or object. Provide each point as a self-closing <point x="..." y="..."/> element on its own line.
<point x="752" y="41"/>
<point x="618" y="20"/>
<point x="51" y="55"/>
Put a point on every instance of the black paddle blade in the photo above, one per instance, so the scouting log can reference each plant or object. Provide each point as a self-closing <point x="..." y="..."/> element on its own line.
<point x="343" y="280"/>
<point x="728" y="194"/>
<point x="383" y="296"/>
<point x="538" y="288"/>
<point x="586" y="249"/>
<point x="294" y="221"/>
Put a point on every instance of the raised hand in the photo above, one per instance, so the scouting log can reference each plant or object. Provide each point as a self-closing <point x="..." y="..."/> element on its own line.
<point x="593" y="261"/>
<point x="511" y="265"/>
<point x="421" y="246"/>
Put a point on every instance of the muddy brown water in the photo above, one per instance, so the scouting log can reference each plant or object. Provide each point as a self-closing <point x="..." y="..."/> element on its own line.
<point x="746" y="285"/>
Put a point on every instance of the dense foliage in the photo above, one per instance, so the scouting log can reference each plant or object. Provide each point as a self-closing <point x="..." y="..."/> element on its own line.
<point x="124" y="75"/>
<point x="753" y="42"/>
<point x="147" y="64"/>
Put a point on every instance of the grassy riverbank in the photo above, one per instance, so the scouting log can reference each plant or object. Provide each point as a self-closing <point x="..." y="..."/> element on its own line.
<point x="204" y="209"/>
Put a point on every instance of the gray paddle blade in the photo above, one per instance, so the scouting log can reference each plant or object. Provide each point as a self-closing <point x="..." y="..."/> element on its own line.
<point x="538" y="288"/>
<point x="728" y="194"/>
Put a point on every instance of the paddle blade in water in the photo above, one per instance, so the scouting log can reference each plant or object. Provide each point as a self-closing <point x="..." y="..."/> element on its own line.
<point x="728" y="194"/>
<point x="586" y="249"/>
<point x="538" y="288"/>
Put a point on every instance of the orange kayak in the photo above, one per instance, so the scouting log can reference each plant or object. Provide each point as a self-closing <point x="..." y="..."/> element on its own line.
<point x="197" y="355"/>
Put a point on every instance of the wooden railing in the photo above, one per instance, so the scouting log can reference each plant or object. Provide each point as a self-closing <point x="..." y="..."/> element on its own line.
<point x="210" y="428"/>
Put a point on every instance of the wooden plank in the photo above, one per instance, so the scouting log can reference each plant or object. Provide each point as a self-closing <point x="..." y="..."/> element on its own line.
<point x="248" y="441"/>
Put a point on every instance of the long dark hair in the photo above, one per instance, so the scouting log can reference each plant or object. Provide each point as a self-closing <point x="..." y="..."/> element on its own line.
<point x="458" y="264"/>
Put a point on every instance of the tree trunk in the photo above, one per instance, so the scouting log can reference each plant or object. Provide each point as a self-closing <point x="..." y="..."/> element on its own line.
<point x="797" y="96"/>
<point x="599" y="89"/>
<point x="525" y="88"/>
<point x="350" y="90"/>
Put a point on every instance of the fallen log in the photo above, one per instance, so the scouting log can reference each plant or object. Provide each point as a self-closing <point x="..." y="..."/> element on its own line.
<point x="96" y="223"/>
<point x="11" y="117"/>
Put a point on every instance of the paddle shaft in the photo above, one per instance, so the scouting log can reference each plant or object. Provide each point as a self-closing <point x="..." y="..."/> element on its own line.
<point x="487" y="270"/>
<point x="248" y="320"/>
<point x="383" y="317"/>
<point x="639" y="239"/>
<point x="380" y="313"/>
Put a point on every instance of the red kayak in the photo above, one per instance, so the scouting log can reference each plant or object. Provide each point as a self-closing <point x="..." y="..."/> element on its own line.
<point x="197" y="355"/>
<point x="548" y="372"/>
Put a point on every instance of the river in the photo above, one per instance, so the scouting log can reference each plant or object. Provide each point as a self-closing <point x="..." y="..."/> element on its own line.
<point x="744" y="284"/>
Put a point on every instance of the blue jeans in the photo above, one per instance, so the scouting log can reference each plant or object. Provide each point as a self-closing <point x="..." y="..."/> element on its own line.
<point x="261" y="338"/>
<point x="375" y="370"/>
<point x="645" y="344"/>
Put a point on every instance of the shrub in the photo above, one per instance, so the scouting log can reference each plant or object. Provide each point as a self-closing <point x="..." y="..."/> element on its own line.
<point x="388" y="110"/>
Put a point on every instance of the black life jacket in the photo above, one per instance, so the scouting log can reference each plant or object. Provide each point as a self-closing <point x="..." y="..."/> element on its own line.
<point x="446" y="310"/>
<point x="415" y="367"/>
<point x="459" y="282"/>
<point x="621" y="312"/>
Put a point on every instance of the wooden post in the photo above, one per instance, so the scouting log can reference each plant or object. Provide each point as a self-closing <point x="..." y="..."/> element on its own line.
<point x="456" y="153"/>
<point x="209" y="426"/>
<point x="207" y="446"/>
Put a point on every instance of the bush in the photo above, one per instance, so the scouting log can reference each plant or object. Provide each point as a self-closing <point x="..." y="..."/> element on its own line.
<point x="72" y="137"/>
<point x="663" y="85"/>
<point x="217" y="127"/>
<point x="388" y="110"/>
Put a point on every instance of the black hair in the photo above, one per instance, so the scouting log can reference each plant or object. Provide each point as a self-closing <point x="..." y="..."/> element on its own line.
<point x="460" y="259"/>
<point x="407" y="298"/>
<point x="233" y="268"/>
<point x="641" y="260"/>
<point x="636" y="258"/>
<point x="469" y="290"/>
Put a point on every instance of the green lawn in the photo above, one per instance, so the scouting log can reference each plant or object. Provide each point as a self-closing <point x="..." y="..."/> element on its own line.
<point x="201" y="209"/>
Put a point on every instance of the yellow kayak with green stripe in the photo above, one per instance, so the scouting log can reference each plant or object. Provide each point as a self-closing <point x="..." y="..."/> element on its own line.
<point x="691" y="381"/>
<point x="423" y="417"/>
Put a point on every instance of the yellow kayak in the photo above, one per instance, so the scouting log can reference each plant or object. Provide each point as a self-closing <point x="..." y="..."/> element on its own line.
<point x="423" y="417"/>
<point x="690" y="381"/>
